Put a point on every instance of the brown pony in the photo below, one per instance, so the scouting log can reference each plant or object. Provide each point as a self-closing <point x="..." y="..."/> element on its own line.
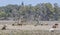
<point x="4" y="27"/>
<point x="55" y="26"/>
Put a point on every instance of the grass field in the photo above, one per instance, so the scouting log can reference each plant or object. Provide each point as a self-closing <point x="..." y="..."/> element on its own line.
<point x="27" y="29"/>
<point x="28" y="32"/>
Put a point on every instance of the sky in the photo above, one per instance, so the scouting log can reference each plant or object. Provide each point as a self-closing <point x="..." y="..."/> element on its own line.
<point x="26" y="2"/>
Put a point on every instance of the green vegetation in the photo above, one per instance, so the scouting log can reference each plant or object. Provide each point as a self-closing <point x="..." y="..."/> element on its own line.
<point x="39" y="12"/>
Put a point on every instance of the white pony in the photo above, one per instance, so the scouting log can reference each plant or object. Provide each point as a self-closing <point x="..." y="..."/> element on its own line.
<point x="51" y="30"/>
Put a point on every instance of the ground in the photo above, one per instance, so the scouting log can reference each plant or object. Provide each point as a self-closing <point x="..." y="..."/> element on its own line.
<point x="28" y="29"/>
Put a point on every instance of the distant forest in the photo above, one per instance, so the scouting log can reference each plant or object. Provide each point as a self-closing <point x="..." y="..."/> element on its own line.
<point x="39" y="12"/>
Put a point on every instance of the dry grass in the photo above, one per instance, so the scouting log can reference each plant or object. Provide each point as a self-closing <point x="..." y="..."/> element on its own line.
<point x="28" y="32"/>
<point x="27" y="29"/>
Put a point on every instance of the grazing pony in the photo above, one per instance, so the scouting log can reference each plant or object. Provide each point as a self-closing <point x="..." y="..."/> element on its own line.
<point x="51" y="30"/>
<point x="19" y="24"/>
<point x="4" y="27"/>
<point x="55" y="25"/>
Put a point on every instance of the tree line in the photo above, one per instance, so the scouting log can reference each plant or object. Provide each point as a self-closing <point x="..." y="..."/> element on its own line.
<point x="39" y="12"/>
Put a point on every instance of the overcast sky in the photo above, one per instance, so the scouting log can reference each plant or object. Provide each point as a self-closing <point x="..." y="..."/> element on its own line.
<point x="26" y="2"/>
